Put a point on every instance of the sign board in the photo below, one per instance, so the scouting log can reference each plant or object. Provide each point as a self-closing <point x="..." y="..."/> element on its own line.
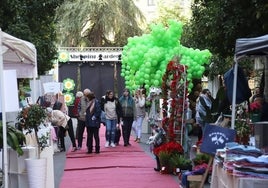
<point x="52" y="87"/>
<point x="10" y="92"/>
<point x="90" y="56"/>
<point x="215" y="138"/>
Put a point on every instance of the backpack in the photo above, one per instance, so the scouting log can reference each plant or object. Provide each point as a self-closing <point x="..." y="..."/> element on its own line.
<point x="243" y="92"/>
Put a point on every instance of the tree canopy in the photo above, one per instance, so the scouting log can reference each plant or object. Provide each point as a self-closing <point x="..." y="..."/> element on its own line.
<point x="98" y="23"/>
<point x="32" y="21"/>
<point x="216" y="25"/>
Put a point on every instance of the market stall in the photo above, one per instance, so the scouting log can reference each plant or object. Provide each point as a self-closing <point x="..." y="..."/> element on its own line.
<point x="257" y="46"/>
<point x="19" y="55"/>
<point x="232" y="166"/>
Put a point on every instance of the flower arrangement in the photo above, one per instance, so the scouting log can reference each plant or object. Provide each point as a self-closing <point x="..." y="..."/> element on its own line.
<point x="255" y="107"/>
<point x="170" y="148"/>
<point x="166" y="152"/>
<point x="174" y="92"/>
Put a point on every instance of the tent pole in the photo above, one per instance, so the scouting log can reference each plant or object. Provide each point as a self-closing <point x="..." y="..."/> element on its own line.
<point x="5" y="166"/>
<point x="234" y="95"/>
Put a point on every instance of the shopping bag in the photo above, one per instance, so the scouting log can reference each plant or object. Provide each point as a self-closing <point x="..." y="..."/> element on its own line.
<point x="215" y="138"/>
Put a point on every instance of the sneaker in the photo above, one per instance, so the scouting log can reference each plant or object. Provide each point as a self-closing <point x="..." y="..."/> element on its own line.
<point x="112" y="145"/>
<point x="107" y="144"/>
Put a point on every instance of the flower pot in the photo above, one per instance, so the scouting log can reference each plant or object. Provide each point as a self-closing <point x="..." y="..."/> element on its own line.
<point x="36" y="172"/>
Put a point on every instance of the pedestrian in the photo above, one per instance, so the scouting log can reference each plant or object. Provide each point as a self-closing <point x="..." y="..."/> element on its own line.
<point x="128" y="107"/>
<point x="81" y="119"/>
<point x="93" y="120"/>
<point x="78" y="96"/>
<point x="203" y="109"/>
<point x="139" y="99"/>
<point x="59" y="119"/>
<point x="61" y="105"/>
<point x="113" y="114"/>
<point x="75" y="113"/>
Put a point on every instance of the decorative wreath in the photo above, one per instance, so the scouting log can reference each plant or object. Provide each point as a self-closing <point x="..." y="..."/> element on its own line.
<point x="174" y="92"/>
<point x="68" y="84"/>
<point x="69" y="98"/>
<point x="63" y="57"/>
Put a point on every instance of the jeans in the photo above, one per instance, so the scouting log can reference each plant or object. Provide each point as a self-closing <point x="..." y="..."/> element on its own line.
<point x="110" y="130"/>
<point x="137" y="126"/>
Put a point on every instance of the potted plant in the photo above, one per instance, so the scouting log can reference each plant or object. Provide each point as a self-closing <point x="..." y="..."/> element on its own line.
<point x="15" y="138"/>
<point x="243" y="131"/>
<point x="31" y="118"/>
<point x="165" y="152"/>
<point x="180" y="163"/>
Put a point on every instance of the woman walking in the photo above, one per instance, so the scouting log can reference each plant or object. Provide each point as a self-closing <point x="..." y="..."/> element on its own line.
<point x="140" y="113"/>
<point x="128" y="108"/>
<point x="93" y="115"/>
<point x="113" y="113"/>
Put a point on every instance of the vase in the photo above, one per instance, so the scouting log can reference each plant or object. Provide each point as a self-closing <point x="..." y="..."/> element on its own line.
<point x="36" y="172"/>
<point x="255" y="117"/>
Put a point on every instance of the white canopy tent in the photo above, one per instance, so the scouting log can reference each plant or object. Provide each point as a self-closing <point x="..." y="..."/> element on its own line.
<point x="257" y="46"/>
<point x="19" y="55"/>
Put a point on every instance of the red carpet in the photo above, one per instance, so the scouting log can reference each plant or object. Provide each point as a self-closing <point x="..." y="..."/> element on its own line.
<point x="125" y="167"/>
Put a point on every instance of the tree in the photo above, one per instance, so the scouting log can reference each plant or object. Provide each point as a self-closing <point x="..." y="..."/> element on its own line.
<point x="32" y="21"/>
<point x="168" y="9"/>
<point x="98" y="23"/>
<point x="216" y="25"/>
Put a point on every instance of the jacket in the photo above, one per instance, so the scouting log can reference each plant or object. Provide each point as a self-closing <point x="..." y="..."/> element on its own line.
<point x="58" y="118"/>
<point x="82" y="107"/>
<point x="93" y="119"/>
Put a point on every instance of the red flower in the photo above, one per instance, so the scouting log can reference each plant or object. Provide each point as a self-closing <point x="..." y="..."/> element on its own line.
<point x="171" y="147"/>
<point x="174" y="82"/>
<point x="255" y="107"/>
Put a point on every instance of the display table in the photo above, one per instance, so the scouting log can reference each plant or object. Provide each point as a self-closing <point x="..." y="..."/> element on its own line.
<point x="221" y="179"/>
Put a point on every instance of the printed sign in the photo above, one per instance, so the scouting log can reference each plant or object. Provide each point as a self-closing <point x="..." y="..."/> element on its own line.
<point x="215" y="138"/>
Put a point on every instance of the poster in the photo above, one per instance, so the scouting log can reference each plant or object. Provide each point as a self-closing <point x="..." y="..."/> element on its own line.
<point x="11" y="98"/>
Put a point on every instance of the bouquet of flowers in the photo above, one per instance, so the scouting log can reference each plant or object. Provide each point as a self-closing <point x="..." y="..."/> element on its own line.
<point x="255" y="107"/>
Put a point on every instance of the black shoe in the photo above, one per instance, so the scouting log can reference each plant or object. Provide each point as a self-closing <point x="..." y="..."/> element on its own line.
<point x="156" y="169"/>
<point x="97" y="152"/>
<point x="125" y="145"/>
<point x="88" y="152"/>
<point x="128" y="144"/>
